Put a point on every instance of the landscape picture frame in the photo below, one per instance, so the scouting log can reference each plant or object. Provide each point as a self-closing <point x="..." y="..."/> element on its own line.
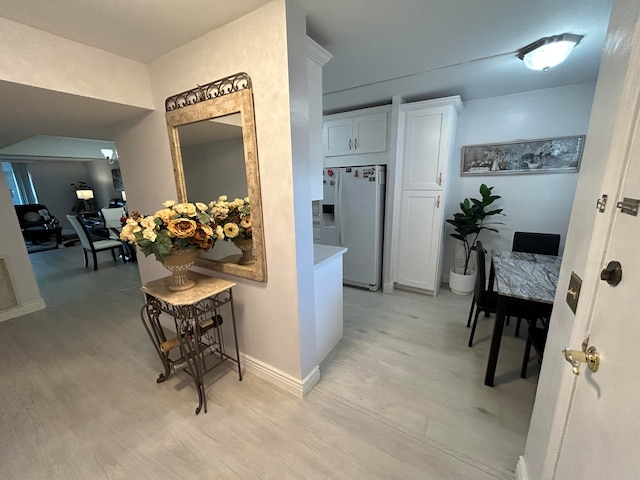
<point x="546" y="155"/>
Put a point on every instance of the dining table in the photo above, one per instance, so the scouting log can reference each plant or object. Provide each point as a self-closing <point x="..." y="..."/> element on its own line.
<point x="518" y="276"/>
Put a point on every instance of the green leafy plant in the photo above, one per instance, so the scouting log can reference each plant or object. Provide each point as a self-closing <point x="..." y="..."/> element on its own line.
<point x="472" y="219"/>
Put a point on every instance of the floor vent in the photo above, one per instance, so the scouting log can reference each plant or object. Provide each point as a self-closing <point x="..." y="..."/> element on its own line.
<point x="7" y="294"/>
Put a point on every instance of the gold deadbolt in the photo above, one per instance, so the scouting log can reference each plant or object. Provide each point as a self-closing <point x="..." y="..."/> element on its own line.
<point x="588" y="355"/>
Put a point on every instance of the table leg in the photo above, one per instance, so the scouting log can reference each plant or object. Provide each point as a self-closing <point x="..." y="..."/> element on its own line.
<point x="235" y="336"/>
<point x="191" y="345"/>
<point x="496" y="339"/>
<point x="150" y="319"/>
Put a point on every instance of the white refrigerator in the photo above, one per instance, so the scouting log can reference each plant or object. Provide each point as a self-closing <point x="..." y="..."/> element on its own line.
<point x="352" y="216"/>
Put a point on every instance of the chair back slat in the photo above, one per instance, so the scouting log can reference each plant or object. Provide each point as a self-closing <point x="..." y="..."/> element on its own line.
<point x="75" y="222"/>
<point x="112" y="217"/>
<point x="532" y="242"/>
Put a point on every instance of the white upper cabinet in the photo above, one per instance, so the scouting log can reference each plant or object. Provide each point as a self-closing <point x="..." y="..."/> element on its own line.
<point x="355" y="134"/>
<point x="427" y="147"/>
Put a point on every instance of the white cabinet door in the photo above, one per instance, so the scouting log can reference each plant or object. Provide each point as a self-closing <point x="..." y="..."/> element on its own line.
<point x="426" y="148"/>
<point x="336" y="137"/>
<point x="370" y="133"/>
<point x="420" y="239"/>
<point x="355" y="135"/>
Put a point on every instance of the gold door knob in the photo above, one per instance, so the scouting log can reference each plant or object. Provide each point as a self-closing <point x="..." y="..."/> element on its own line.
<point x="588" y="355"/>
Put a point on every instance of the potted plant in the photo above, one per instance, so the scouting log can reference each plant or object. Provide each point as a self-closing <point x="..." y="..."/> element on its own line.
<point x="467" y="225"/>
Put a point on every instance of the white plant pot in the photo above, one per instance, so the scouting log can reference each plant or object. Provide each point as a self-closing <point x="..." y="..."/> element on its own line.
<point x="462" y="284"/>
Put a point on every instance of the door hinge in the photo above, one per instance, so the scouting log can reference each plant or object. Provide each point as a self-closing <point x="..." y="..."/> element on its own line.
<point x="629" y="206"/>
<point x="601" y="204"/>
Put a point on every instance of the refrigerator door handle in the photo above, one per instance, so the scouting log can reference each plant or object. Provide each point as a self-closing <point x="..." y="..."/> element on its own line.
<point x="338" y="212"/>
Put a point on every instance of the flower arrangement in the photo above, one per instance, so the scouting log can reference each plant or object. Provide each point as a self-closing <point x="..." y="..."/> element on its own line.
<point x="178" y="226"/>
<point x="233" y="219"/>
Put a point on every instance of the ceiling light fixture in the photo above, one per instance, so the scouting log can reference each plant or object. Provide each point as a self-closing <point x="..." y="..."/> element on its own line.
<point x="109" y="155"/>
<point x="549" y="51"/>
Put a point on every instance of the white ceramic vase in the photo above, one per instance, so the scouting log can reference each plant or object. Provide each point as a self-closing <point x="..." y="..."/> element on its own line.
<point x="461" y="284"/>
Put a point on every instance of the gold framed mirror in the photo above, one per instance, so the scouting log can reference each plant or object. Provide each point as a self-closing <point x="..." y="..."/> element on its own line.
<point x="213" y="145"/>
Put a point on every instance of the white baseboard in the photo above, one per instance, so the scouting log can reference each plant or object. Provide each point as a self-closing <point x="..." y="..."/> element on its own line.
<point x="20" y="310"/>
<point x="387" y="287"/>
<point x="300" y="388"/>
<point x="521" y="469"/>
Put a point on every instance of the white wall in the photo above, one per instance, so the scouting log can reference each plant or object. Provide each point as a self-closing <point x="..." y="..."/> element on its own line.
<point x="32" y="57"/>
<point x="269" y="314"/>
<point x="531" y="202"/>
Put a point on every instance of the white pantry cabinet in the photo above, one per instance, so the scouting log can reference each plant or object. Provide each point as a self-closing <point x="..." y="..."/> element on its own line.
<point x="428" y="131"/>
<point x="355" y="133"/>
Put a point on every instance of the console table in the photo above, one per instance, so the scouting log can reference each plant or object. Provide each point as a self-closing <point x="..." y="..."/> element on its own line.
<point x="197" y="326"/>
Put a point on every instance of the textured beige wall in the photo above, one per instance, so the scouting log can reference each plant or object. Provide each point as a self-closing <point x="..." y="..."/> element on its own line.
<point x="268" y="313"/>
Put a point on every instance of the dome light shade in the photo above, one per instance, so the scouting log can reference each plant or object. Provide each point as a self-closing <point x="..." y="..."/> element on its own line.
<point x="549" y="51"/>
<point x="109" y="155"/>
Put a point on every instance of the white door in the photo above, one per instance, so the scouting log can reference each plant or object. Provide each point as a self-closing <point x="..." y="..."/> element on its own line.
<point x="420" y="231"/>
<point x="603" y="424"/>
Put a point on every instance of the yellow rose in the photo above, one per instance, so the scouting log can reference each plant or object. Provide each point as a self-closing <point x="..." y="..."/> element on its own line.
<point x="148" y="222"/>
<point x="231" y="230"/>
<point x="149" y="234"/>
<point x="166" y="214"/>
<point x="246" y="221"/>
<point x="207" y="229"/>
<point x="201" y="206"/>
<point x="188" y="209"/>
<point x="127" y="234"/>
<point x="219" y="232"/>
<point x="182" y="227"/>
<point x="168" y="203"/>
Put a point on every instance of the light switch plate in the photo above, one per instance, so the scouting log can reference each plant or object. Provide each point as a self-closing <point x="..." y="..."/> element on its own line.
<point x="573" y="292"/>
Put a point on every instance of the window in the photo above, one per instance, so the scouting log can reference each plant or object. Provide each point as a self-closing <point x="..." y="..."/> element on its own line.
<point x="20" y="183"/>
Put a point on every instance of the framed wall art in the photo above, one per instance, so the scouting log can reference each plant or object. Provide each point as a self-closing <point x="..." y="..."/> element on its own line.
<point x="549" y="155"/>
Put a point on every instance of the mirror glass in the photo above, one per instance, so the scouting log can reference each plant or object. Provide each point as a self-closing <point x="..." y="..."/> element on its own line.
<point x="213" y="150"/>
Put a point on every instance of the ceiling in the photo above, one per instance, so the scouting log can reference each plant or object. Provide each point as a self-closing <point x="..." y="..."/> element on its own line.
<point x="431" y="47"/>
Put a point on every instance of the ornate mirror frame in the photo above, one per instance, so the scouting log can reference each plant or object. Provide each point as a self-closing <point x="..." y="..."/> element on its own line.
<point x="223" y="97"/>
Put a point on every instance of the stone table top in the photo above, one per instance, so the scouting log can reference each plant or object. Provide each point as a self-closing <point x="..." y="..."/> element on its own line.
<point x="205" y="287"/>
<point x="529" y="276"/>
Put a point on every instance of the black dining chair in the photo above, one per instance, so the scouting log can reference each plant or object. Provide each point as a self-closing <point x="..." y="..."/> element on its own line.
<point x="483" y="300"/>
<point x="533" y="242"/>
<point x="536" y="338"/>
<point x="486" y="301"/>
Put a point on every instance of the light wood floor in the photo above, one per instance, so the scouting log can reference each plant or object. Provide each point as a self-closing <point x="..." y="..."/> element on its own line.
<point x="401" y="396"/>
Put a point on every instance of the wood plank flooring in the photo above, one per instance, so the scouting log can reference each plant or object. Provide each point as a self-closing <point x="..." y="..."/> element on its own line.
<point x="401" y="396"/>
